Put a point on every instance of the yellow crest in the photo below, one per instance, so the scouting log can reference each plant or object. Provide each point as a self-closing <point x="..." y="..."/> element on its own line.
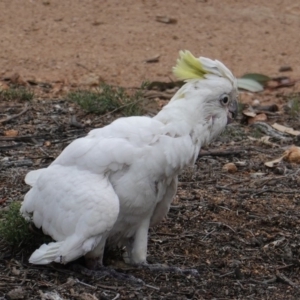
<point x="188" y="67"/>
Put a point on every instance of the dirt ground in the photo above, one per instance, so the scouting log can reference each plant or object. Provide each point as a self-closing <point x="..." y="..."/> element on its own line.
<point x="240" y="230"/>
<point x="69" y="40"/>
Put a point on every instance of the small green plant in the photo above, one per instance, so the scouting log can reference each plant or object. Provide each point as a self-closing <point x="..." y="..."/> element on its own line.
<point x="241" y="107"/>
<point x="13" y="227"/>
<point x="15" y="230"/>
<point x="294" y="104"/>
<point x="256" y="133"/>
<point x="16" y="93"/>
<point x="233" y="133"/>
<point x="107" y="99"/>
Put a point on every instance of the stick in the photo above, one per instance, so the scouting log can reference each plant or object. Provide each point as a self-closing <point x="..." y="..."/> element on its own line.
<point x="255" y="192"/>
<point x="286" y="280"/>
<point x="222" y="153"/>
<point x="24" y="138"/>
<point x="7" y="147"/>
<point x="285" y="267"/>
<point x="222" y="224"/>
<point x="14" y="116"/>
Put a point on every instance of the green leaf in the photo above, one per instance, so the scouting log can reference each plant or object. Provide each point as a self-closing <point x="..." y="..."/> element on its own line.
<point x="262" y="79"/>
<point x="249" y="85"/>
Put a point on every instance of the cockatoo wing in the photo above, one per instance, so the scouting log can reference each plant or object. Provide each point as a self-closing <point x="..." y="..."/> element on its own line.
<point x="77" y="208"/>
<point x="76" y="200"/>
<point x="73" y="200"/>
<point x="111" y="147"/>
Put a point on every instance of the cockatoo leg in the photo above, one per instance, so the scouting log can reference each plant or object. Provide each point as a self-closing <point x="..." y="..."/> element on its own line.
<point x="94" y="266"/>
<point x="137" y="254"/>
<point x="94" y="258"/>
<point x="136" y="246"/>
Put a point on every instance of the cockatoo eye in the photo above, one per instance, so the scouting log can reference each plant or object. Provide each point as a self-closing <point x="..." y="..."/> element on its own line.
<point x="224" y="99"/>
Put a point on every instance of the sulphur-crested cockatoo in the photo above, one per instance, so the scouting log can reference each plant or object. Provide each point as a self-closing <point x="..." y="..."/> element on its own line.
<point x="109" y="187"/>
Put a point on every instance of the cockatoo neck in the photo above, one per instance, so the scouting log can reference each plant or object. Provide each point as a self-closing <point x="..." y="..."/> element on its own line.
<point x="181" y="120"/>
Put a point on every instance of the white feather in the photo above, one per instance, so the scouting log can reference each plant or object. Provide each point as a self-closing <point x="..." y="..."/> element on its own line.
<point x="32" y="176"/>
<point x="111" y="185"/>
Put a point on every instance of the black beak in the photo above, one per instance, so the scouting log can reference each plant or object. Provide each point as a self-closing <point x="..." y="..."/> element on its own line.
<point x="232" y="110"/>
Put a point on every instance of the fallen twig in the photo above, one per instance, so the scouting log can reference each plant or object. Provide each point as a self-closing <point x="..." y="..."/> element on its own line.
<point x="254" y="192"/>
<point x="3" y="121"/>
<point x="222" y="153"/>
<point x="75" y="123"/>
<point x="83" y="66"/>
<point x="270" y="131"/>
<point x="266" y="108"/>
<point x="226" y="274"/>
<point x="16" y="164"/>
<point x="271" y="191"/>
<point x="283" y="278"/>
<point x="24" y="138"/>
<point x="285" y="267"/>
<point x="222" y="224"/>
<point x="7" y="147"/>
<point x="267" y="281"/>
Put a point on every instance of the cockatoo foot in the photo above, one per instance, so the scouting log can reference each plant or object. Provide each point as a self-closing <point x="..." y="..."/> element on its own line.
<point x="165" y="268"/>
<point x="106" y="271"/>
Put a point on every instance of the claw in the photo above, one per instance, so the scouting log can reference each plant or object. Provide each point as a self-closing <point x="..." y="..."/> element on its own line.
<point x="164" y="268"/>
<point x="105" y="271"/>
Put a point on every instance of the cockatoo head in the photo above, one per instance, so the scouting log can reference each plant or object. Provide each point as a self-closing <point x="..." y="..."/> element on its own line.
<point x="209" y="94"/>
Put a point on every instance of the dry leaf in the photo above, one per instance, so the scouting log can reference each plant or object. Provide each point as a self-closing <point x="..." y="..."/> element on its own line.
<point x="257" y="174"/>
<point x="91" y="79"/>
<point x="3" y="86"/>
<point x="153" y="59"/>
<point x="285" y="69"/>
<point x="166" y="20"/>
<point x="52" y="295"/>
<point x="230" y="168"/>
<point x="241" y="163"/>
<point x="249" y="112"/>
<point x="57" y="88"/>
<point x="257" y="118"/>
<point x="17" y="293"/>
<point x="87" y="296"/>
<point x="292" y="155"/>
<point x="255" y="102"/>
<point x="31" y="80"/>
<point x="15" y="271"/>
<point x="264" y="140"/>
<point x="16" y="78"/>
<point x="11" y="132"/>
<point x="274" y="163"/>
<point x="274" y="243"/>
<point x="97" y="23"/>
<point x="285" y="129"/>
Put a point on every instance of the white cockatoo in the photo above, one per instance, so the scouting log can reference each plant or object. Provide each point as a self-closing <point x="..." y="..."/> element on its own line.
<point x="109" y="187"/>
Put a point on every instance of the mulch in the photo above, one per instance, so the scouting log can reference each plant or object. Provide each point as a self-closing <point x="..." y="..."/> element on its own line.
<point x="240" y="230"/>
